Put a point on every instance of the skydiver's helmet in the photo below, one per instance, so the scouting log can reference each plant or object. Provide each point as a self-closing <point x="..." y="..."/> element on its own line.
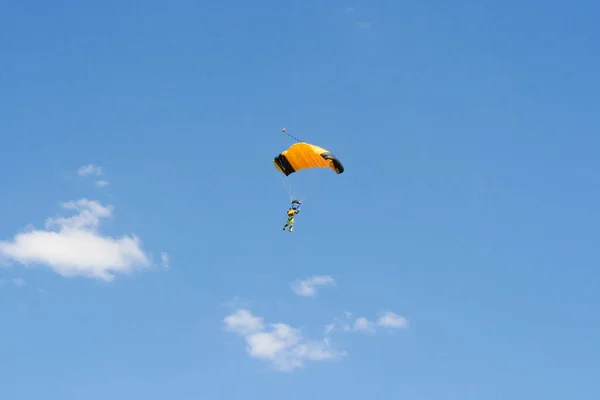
<point x="295" y="204"/>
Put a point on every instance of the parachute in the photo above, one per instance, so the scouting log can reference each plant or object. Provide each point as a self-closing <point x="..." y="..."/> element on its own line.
<point x="300" y="156"/>
<point x="303" y="155"/>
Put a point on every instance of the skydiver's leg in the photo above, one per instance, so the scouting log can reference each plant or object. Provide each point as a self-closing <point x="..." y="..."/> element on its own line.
<point x="291" y="225"/>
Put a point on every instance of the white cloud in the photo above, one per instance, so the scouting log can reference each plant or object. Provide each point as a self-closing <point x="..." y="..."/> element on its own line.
<point x="309" y="286"/>
<point x="387" y="320"/>
<point x="279" y="343"/>
<point x="349" y="10"/>
<point x="243" y="322"/>
<point x="72" y="246"/>
<point x="164" y="259"/>
<point x="90" y="169"/>
<point x="363" y="325"/>
<point x="392" y="320"/>
<point x="364" y="24"/>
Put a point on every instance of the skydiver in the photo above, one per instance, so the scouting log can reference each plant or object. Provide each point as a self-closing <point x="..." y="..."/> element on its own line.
<point x="291" y="213"/>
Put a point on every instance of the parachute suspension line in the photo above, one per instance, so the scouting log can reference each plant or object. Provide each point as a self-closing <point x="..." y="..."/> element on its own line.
<point x="293" y="137"/>
<point x="288" y="188"/>
<point x="291" y="192"/>
<point x="284" y="185"/>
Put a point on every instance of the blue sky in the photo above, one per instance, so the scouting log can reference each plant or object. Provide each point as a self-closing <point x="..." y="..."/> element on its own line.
<point x="457" y="254"/>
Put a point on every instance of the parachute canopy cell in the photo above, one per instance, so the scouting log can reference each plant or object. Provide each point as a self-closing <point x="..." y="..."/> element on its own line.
<point x="302" y="155"/>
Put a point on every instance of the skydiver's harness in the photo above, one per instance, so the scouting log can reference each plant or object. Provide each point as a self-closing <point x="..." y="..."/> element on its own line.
<point x="292" y="211"/>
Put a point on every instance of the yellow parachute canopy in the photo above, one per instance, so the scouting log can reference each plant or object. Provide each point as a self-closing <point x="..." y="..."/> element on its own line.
<point x="304" y="155"/>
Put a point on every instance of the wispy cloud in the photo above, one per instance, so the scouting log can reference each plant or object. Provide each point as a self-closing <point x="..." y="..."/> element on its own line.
<point x="90" y="169"/>
<point x="236" y="302"/>
<point x="19" y="282"/>
<point x="362" y="324"/>
<point x="329" y="328"/>
<point x="308" y="287"/>
<point x="352" y="15"/>
<point x="387" y="320"/>
<point x="72" y="246"/>
<point x="279" y="343"/>
<point x="93" y="170"/>
<point x="164" y="259"/>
